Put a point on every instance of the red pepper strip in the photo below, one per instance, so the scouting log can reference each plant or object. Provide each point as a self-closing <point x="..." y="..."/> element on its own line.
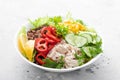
<point x="47" y="32"/>
<point x="52" y="37"/>
<point x="50" y="46"/>
<point x="44" y="31"/>
<point x="53" y="30"/>
<point x="50" y="40"/>
<point x="41" y="45"/>
<point x="39" y="58"/>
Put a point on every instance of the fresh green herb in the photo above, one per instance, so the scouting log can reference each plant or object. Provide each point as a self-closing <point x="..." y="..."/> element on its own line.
<point x="49" y="63"/>
<point x="80" y="58"/>
<point x="52" y="64"/>
<point x="60" y="62"/>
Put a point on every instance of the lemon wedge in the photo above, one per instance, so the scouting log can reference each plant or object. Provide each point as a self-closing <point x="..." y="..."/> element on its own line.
<point x="22" y="39"/>
<point x="29" y="48"/>
<point x="25" y="46"/>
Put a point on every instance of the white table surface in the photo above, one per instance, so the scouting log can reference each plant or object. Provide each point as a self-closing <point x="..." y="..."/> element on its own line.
<point x="104" y="15"/>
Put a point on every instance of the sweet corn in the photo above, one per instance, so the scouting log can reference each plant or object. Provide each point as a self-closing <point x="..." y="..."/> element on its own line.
<point x="74" y="27"/>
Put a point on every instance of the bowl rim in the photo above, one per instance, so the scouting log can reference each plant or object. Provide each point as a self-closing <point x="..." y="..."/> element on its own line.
<point x="52" y="69"/>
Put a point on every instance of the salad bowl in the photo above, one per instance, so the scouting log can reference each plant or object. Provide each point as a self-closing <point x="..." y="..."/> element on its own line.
<point x="85" y="44"/>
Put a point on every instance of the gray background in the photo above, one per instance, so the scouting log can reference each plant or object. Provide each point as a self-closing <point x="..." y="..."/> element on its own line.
<point x="103" y="15"/>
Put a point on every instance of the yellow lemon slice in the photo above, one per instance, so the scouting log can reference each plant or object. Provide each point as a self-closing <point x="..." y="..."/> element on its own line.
<point x="22" y="39"/>
<point x="29" y="48"/>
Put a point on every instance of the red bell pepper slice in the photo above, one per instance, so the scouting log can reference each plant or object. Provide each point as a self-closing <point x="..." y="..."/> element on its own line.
<point x="50" y="46"/>
<point x="44" y="30"/>
<point x="39" y="58"/>
<point x="53" y="37"/>
<point x="41" y="45"/>
<point x="50" y="40"/>
<point x="53" y="30"/>
<point x="50" y="33"/>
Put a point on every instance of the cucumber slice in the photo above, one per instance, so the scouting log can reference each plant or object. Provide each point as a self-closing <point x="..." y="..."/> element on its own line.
<point x="80" y="41"/>
<point x="88" y="37"/>
<point x="70" y="38"/>
<point x="87" y="51"/>
<point x="91" y="33"/>
<point x="75" y="40"/>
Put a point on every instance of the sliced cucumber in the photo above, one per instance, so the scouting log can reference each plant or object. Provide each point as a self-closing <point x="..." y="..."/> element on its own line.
<point x="70" y="38"/>
<point x="88" y="37"/>
<point x="91" y="33"/>
<point x="75" y="40"/>
<point x="87" y="51"/>
<point x="80" y="41"/>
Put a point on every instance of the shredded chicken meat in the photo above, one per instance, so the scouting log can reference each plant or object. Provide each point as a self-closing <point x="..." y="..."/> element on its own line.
<point x="67" y="51"/>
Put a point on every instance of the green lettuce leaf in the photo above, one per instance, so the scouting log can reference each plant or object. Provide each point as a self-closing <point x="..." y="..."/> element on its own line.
<point x="45" y="21"/>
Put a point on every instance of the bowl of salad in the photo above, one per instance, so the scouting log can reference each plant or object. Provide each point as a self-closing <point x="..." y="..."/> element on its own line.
<point x="58" y="44"/>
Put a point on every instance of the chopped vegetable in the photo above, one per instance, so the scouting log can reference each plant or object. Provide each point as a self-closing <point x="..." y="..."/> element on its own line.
<point x="76" y="40"/>
<point x="74" y="27"/>
<point x="50" y="33"/>
<point x="80" y="41"/>
<point x="70" y="39"/>
<point x="41" y="45"/>
<point x="39" y="58"/>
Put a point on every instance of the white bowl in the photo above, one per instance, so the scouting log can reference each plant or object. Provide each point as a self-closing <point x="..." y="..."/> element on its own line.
<point x="53" y="69"/>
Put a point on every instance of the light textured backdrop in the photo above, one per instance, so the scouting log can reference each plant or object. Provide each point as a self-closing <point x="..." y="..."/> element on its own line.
<point x="104" y="15"/>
